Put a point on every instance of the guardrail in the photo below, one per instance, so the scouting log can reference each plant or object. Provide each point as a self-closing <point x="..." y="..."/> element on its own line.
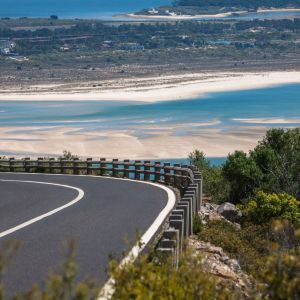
<point x="185" y="178"/>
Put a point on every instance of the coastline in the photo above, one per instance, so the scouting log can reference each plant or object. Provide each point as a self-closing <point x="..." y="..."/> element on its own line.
<point x="207" y="16"/>
<point x="154" y="89"/>
<point x="182" y="17"/>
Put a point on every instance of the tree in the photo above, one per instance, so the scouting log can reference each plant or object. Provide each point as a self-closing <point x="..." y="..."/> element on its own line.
<point x="243" y="175"/>
<point x="273" y="166"/>
<point x="278" y="158"/>
<point x="54" y="17"/>
<point x="214" y="184"/>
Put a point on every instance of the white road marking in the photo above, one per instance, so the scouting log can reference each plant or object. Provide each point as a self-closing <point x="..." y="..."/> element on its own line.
<point x="48" y="214"/>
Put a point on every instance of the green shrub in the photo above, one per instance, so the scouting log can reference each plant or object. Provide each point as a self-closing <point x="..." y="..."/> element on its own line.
<point x="148" y="280"/>
<point x="281" y="275"/>
<point x="248" y="245"/>
<point x="197" y="224"/>
<point x="265" y="207"/>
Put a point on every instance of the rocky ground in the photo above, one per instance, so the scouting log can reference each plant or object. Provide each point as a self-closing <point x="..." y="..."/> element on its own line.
<point x="215" y="260"/>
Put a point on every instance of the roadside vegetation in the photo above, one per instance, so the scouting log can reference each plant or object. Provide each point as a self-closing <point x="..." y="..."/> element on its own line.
<point x="266" y="240"/>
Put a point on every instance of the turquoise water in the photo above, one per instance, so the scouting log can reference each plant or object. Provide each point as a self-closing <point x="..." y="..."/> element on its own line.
<point x="98" y="8"/>
<point x="74" y="8"/>
<point x="220" y="110"/>
<point x="241" y="113"/>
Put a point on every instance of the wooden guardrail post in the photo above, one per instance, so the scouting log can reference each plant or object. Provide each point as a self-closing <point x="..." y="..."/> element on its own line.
<point x="61" y="165"/>
<point x="137" y="167"/>
<point x="157" y="168"/>
<point x="102" y="166"/>
<point x="115" y="166"/>
<point x="177" y="174"/>
<point x="147" y="170"/>
<point x="126" y="168"/>
<point x="167" y="174"/>
<point x="75" y="166"/>
<point x="52" y="165"/>
<point x="39" y="165"/>
<point x="11" y="164"/>
<point x="27" y="164"/>
<point x="89" y="171"/>
<point x="199" y="181"/>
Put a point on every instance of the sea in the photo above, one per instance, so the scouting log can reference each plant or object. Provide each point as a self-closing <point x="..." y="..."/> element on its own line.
<point x="247" y="110"/>
<point x="101" y="9"/>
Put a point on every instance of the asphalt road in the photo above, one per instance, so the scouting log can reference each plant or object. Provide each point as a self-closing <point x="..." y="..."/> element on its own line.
<point x="106" y="212"/>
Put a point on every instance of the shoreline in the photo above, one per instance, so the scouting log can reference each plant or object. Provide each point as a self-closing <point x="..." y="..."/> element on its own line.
<point x="155" y="89"/>
<point x="207" y="16"/>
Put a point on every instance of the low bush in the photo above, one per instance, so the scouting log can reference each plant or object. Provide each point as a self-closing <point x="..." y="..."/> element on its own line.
<point x="281" y="275"/>
<point x="248" y="246"/>
<point x="146" y="280"/>
<point x="265" y="207"/>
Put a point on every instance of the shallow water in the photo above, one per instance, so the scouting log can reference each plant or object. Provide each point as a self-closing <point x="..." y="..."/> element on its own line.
<point x="212" y="119"/>
<point x="277" y="106"/>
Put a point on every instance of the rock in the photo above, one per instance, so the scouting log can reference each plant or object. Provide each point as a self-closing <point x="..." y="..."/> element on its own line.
<point x="225" y="272"/>
<point x="234" y="265"/>
<point x="224" y="258"/>
<point x="229" y="211"/>
<point x="237" y="226"/>
<point x="216" y="262"/>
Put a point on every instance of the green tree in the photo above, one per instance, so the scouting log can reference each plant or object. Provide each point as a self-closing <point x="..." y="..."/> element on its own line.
<point x="214" y="184"/>
<point x="243" y="175"/>
<point x="273" y="166"/>
<point x="278" y="158"/>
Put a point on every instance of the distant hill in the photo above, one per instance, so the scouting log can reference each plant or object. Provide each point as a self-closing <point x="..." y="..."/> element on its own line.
<point x="252" y="4"/>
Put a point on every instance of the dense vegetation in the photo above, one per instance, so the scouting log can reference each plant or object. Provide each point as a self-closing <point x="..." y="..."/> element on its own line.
<point x="87" y="51"/>
<point x="272" y="167"/>
<point x="96" y="36"/>
<point x="238" y="3"/>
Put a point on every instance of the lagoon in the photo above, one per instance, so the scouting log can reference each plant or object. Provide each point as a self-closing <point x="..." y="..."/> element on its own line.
<point x="217" y="123"/>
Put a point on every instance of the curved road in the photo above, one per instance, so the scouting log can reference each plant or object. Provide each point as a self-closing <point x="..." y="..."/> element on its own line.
<point x="97" y="212"/>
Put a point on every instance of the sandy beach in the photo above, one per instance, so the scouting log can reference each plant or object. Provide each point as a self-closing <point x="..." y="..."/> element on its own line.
<point x="153" y="89"/>
<point x="182" y="17"/>
<point x="208" y="16"/>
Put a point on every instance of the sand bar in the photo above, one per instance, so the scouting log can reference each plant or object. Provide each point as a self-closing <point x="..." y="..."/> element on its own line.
<point x="209" y="16"/>
<point x="154" y="89"/>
